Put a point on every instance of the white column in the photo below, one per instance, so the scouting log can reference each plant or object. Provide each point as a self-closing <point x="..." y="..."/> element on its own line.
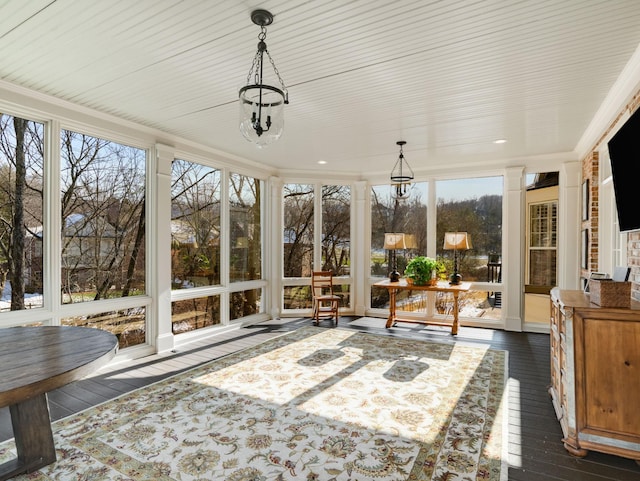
<point x="569" y="218"/>
<point x="273" y="249"/>
<point x="160" y="248"/>
<point x="513" y="248"/>
<point x="361" y="247"/>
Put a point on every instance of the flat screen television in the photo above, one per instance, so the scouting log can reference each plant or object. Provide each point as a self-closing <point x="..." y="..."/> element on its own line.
<point x="624" y="152"/>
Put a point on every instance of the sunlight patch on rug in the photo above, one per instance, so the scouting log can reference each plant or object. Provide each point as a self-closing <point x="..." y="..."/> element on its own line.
<point x="314" y="404"/>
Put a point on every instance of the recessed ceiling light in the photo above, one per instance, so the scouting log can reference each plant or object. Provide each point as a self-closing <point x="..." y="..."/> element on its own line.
<point x="500" y="141"/>
<point x="322" y="162"/>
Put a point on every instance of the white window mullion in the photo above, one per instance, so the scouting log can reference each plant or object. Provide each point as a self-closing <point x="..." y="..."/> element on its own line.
<point x="225" y="229"/>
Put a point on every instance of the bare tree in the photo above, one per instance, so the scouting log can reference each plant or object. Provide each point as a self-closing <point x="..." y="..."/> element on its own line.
<point x="245" y="218"/>
<point x="21" y="149"/>
<point x="103" y="206"/>
<point x="336" y="227"/>
<point x="298" y="229"/>
<point x="195" y="216"/>
<point x="16" y="256"/>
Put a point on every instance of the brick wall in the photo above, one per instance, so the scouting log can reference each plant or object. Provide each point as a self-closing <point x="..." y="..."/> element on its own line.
<point x="589" y="225"/>
<point x="633" y="258"/>
<point x="590" y="172"/>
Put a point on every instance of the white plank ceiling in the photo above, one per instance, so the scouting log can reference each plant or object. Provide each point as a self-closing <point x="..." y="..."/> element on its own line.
<point x="447" y="76"/>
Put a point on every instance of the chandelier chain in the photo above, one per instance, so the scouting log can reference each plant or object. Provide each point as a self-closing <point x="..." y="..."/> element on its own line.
<point x="275" y="69"/>
<point x="253" y="68"/>
<point x="256" y="61"/>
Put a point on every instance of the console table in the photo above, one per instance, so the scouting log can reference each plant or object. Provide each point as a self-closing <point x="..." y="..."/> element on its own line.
<point x="36" y="360"/>
<point x="402" y="284"/>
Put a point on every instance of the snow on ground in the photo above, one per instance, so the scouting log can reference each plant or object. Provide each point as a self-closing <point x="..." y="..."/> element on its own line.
<point x="30" y="300"/>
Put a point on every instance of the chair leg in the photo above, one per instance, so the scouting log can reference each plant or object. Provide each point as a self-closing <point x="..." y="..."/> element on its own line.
<point x="316" y="312"/>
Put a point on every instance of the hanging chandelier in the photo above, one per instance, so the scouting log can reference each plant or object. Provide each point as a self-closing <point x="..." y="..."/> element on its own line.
<point x="401" y="175"/>
<point x="262" y="105"/>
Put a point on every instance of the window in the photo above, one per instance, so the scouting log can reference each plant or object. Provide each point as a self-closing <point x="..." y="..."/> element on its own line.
<point x="336" y="236"/>
<point x="103" y="218"/>
<point x="336" y="229"/>
<point x="389" y="214"/>
<point x="245" y="262"/>
<point x="302" y="254"/>
<point x="245" y="303"/>
<point x="128" y="325"/>
<point x="21" y="208"/>
<point x="195" y="225"/>
<point x="191" y="314"/>
<point x="298" y="230"/>
<point x="473" y="206"/>
<point x="543" y="220"/>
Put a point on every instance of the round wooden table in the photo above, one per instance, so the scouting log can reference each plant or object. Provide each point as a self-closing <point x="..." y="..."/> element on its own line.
<point x="36" y="360"/>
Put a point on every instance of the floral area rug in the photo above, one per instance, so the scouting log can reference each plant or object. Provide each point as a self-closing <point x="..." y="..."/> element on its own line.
<point x="314" y="404"/>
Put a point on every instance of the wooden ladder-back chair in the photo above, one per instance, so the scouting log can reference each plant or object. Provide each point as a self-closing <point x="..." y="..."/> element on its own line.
<point x="325" y="302"/>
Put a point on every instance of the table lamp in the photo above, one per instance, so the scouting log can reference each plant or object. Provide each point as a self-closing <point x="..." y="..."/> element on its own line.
<point x="456" y="241"/>
<point x="392" y="242"/>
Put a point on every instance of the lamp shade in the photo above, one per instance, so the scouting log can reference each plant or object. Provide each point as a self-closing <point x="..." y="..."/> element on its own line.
<point x="410" y="241"/>
<point x="394" y="241"/>
<point x="459" y="241"/>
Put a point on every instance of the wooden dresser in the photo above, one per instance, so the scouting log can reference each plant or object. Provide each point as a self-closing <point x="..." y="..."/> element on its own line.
<point x="595" y="374"/>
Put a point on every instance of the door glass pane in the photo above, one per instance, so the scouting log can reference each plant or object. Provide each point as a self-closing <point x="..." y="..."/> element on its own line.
<point x="543" y="224"/>
<point x="542" y="234"/>
<point x="542" y="267"/>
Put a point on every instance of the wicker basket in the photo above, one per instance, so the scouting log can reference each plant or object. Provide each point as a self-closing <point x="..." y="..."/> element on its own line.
<point x="607" y="293"/>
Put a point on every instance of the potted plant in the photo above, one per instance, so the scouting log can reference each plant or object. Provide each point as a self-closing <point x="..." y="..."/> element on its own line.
<point x="422" y="270"/>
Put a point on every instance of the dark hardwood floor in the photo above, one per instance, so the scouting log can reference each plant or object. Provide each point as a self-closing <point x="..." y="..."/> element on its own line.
<point x="535" y="448"/>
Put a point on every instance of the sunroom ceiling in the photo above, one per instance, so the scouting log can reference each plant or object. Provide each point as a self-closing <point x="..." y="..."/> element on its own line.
<point x="449" y="77"/>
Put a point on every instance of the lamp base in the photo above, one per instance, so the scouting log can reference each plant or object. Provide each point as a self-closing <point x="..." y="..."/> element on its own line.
<point x="394" y="276"/>
<point x="455" y="279"/>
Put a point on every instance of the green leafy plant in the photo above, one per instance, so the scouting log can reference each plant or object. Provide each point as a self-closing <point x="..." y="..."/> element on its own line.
<point x="419" y="269"/>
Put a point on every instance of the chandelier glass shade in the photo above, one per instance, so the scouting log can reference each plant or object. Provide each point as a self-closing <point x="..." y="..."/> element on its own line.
<point x="262" y="105"/>
<point x="401" y="175"/>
